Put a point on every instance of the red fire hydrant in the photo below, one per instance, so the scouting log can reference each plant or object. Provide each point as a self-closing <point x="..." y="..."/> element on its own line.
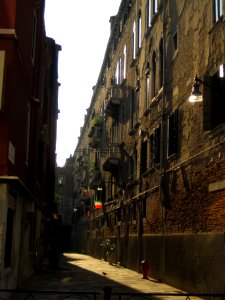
<point x="145" y="268"/>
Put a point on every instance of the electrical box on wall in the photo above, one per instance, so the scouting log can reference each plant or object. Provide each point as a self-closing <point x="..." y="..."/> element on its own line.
<point x="2" y="72"/>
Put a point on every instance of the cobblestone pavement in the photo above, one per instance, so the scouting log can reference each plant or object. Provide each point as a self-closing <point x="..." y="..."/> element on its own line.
<point x="82" y="273"/>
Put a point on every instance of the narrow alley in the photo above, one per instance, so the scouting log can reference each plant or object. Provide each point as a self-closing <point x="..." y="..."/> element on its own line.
<point x="83" y="277"/>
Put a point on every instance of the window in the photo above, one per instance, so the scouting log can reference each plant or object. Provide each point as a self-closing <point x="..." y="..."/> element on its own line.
<point x="132" y="109"/>
<point x="139" y="30"/>
<point x="34" y="37"/>
<point x="40" y="160"/>
<point x="155" y="147"/>
<point x="133" y="211"/>
<point x="9" y="238"/>
<point x="175" y="45"/>
<point x="27" y="133"/>
<point x="153" y="89"/>
<point x="172" y="134"/>
<point x="117" y="73"/>
<point x="61" y="180"/>
<point x="161" y="63"/>
<point x="143" y="166"/>
<point x="133" y="166"/>
<point x="120" y="71"/>
<point x="148" y="14"/>
<point x="217" y="9"/>
<point x="125" y="62"/>
<point x="147" y="86"/>
<point x="136" y="96"/>
<point x="144" y="208"/>
<point x="214" y="100"/>
<point x="134" y="41"/>
<point x="155" y="6"/>
<point x="119" y="214"/>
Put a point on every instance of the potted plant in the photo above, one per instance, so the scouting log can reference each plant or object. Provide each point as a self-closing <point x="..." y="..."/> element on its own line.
<point x="109" y="249"/>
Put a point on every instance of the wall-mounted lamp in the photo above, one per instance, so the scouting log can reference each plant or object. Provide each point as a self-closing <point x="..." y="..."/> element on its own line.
<point x="196" y="95"/>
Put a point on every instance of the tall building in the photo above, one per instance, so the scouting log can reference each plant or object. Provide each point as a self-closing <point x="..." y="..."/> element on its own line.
<point x="28" y="113"/>
<point x="155" y="157"/>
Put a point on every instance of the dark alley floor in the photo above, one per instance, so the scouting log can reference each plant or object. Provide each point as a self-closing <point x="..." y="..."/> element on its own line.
<point x="82" y="273"/>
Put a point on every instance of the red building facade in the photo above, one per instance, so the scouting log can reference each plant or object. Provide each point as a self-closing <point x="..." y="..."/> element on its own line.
<point x="28" y="113"/>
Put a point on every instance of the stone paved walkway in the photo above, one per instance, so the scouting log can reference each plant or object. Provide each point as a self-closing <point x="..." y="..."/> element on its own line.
<point x="82" y="273"/>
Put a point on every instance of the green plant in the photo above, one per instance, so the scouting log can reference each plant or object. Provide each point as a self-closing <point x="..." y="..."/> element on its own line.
<point x="109" y="247"/>
<point x="96" y="121"/>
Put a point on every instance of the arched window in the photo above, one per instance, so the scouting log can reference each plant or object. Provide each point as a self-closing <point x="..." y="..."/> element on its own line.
<point x="153" y="74"/>
<point x="161" y="63"/>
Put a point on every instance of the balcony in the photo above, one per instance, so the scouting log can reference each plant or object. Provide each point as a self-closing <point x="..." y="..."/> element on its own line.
<point x="113" y="100"/>
<point x="111" y="158"/>
<point x="95" y="179"/>
<point x="95" y="142"/>
<point x="94" y="135"/>
<point x="96" y="125"/>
